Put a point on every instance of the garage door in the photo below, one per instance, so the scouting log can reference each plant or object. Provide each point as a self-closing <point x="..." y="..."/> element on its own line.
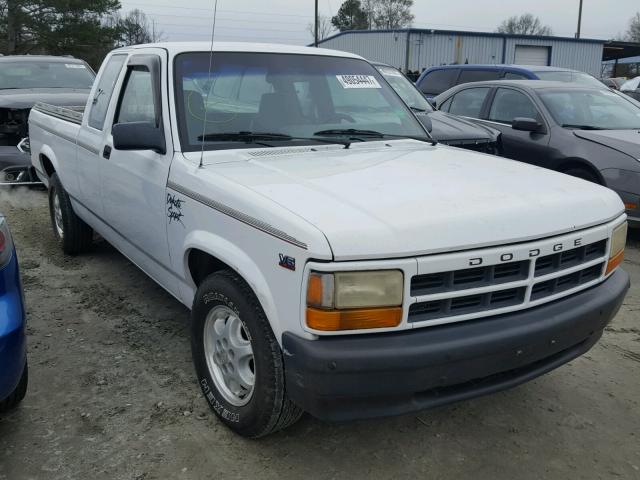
<point x="529" y="55"/>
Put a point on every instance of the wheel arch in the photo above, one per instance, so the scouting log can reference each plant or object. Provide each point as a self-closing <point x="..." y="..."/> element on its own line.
<point x="206" y="253"/>
<point x="576" y="162"/>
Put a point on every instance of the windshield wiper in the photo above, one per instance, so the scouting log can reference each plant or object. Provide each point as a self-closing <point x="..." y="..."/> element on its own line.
<point x="355" y="133"/>
<point x="417" y="109"/>
<point x="256" y="137"/>
<point x="581" y="127"/>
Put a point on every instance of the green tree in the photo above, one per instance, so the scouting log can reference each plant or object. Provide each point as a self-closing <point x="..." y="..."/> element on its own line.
<point x="525" y="24"/>
<point x="633" y="32"/>
<point x="59" y="27"/>
<point x="392" y="14"/>
<point x="350" y="17"/>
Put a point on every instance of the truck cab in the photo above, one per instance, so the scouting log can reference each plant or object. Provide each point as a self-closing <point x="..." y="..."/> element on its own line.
<point x="336" y="259"/>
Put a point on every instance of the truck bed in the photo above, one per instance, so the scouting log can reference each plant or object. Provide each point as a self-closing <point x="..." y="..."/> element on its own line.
<point x="71" y="114"/>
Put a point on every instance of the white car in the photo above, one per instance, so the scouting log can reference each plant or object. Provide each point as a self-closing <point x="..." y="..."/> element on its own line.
<point x="336" y="260"/>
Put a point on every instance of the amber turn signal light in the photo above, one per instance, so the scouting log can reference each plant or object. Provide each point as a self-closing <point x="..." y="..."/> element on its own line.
<point x="614" y="262"/>
<point x="356" y="319"/>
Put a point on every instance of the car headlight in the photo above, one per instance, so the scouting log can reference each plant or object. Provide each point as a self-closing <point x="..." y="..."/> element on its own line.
<point x="616" y="252"/>
<point x="354" y="300"/>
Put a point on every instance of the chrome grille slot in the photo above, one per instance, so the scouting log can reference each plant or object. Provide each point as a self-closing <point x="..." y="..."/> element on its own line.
<point x="431" y="283"/>
<point x="569" y="258"/>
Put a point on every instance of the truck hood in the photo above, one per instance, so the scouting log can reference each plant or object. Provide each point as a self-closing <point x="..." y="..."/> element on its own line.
<point x="28" y="97"/>
<point x="406" y="198"/>
<point x="625" y="141"/>
<point x="450" y="129"/>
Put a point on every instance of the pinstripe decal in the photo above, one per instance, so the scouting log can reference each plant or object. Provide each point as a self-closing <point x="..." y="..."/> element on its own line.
<point x="242" y="217"/>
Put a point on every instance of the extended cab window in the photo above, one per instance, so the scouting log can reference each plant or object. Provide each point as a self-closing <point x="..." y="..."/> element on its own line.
<point x="468" y="102"/>
<point x="137" y="101"/>
<point x="509" y="104"/>
<point x="284" y="98"/>
<point x="104" y="91"/>
<point x="438" y="81"/>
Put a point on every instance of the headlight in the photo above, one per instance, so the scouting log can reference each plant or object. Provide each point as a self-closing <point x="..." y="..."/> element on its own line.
<point x="354" y="300"/>
<point x="616" y="252"/>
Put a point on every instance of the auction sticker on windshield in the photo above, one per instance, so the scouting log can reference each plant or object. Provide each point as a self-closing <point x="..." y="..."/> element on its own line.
<point x="358" y="81"/>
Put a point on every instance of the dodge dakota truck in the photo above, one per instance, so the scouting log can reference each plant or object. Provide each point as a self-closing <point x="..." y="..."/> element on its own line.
<point x="336" y="260"/>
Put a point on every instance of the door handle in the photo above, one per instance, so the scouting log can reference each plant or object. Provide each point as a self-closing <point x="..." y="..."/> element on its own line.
<point x="106" y="153"/>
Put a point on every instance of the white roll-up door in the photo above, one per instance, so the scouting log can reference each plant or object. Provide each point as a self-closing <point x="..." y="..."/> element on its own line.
<point x="532" y="55"/>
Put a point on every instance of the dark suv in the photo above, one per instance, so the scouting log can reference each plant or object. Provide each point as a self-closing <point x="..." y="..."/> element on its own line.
<point x="436" y="80"/>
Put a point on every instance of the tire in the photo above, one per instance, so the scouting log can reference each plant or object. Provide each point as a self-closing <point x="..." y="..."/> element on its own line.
<point x="18" y="394"/>
<point x="73" y="235"/>
<point x="225" y="304"/>
<point x="582" y="173"/>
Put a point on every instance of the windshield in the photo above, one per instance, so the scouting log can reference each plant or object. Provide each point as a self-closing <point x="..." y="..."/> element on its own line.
<point x="308" y="97"/>
<point x="591" y="109"/>
<point x="43" y="74"/>
<point x="407" y="90"/>
<point x="568" y="76"/>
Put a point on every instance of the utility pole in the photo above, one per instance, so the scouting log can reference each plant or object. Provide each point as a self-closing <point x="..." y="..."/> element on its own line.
<point x="579" y="20"/>
<point x="316" y="26"/>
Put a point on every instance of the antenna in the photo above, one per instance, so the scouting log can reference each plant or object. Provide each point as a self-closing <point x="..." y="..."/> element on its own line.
<point x="204" y="124"/>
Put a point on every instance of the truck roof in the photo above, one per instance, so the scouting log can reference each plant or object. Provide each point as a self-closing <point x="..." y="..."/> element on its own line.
<point x="179" y="47"/>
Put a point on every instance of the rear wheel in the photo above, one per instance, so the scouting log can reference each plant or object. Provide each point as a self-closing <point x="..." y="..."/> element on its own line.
<point x="18" y="394"/>
<point x="237" y="358"/>
<point x="72" y="233"/>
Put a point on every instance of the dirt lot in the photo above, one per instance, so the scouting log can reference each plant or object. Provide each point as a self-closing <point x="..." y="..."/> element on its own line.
<point x="112" y="394"/>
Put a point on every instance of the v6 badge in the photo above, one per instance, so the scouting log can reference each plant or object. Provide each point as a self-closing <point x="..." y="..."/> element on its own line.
<point x="287" y="262"/>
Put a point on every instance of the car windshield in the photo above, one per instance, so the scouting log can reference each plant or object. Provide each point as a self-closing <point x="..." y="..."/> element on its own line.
<point x="45" y="74"/>
<point x="407" y="90"/>
<point x="591" y="109"/>
<point x="269" y="97"/>
<point x="568" y="76"/>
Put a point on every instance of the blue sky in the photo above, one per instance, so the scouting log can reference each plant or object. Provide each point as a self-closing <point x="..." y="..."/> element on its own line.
<point x="285" y="21"/>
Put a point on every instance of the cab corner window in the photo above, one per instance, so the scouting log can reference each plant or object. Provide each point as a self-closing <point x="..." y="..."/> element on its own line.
<point x="104" y="91"/>
<point x="468" y="102"/>
<point x="137" y="101"/>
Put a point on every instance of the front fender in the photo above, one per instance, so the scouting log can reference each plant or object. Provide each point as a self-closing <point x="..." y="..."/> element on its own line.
<point x="240" y="262"/>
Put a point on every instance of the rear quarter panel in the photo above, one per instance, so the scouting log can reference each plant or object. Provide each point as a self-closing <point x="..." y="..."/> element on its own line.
<point x="54" y="139"/>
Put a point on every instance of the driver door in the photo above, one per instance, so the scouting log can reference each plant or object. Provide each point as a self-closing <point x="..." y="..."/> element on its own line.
<point x="134" y="181"/>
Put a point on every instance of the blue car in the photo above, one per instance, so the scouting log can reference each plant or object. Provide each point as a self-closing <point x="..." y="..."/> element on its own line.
<point x="13" y="342"/>
<point x="436" y="80"/>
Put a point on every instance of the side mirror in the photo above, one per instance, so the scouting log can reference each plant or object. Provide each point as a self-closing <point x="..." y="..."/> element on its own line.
<point x="526" y="124"/>
<point x="138" y="136"/>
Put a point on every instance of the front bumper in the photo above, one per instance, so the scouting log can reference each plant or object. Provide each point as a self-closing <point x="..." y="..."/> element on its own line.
<point x="364" y="376"/>
<point x="13" y="343"/>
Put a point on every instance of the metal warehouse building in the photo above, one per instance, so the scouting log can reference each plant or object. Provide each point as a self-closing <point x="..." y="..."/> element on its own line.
<point x="415" y="49"/>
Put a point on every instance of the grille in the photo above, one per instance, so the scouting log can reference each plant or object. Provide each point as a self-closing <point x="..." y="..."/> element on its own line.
<point x="569" y="258"/>
<point x="565" y="282"/>
<point x="469" y="278"/>
<point x="493" y="287"/>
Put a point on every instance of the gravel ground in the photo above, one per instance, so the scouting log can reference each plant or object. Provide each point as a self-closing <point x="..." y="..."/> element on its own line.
<point x="112" y="394"/>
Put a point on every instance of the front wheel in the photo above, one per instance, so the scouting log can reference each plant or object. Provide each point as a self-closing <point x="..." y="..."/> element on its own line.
<point x="237" y="358"/>
<point x="583" y="174"/>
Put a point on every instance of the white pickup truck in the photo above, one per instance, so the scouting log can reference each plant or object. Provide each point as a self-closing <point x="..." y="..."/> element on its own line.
<point x="335" y="259"/>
